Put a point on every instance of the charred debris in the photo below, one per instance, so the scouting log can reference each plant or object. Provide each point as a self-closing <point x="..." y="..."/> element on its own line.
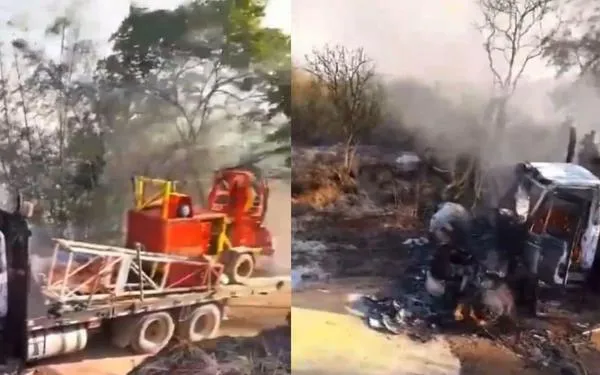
<point x="267" y="353"/>
<point x="524" y="271"/>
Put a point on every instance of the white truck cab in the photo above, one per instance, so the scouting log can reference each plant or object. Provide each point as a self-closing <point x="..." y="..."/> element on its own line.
<point x="561" y="205"/>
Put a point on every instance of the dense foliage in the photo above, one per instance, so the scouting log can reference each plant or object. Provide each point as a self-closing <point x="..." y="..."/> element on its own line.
<point x="178" y="87"/>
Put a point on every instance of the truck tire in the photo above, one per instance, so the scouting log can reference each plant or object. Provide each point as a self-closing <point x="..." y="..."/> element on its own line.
<point x="203" y="323"/>
<point x="152" y="333"/>
<point x="239" y="267"/>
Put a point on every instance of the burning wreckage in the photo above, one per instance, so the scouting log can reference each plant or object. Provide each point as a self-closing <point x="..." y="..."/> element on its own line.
<point x="542" y="236"/>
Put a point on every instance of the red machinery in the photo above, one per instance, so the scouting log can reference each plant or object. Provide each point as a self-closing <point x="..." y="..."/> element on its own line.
<point x="230" y="232"/>
<point x="242" y="194"/>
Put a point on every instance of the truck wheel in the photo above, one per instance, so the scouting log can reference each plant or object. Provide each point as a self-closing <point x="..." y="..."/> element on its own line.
<point x="152" y="333"/>
<point x="239" y="267"/>
<point x="203" y="323"/>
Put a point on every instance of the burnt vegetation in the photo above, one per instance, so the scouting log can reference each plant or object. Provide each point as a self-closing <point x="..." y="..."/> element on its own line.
<point x="364" y="169"/>
<point x="267" y="353"/>
<point x="339" y="99"/>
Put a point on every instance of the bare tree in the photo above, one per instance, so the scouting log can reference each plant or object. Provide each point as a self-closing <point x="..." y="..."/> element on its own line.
<point x="348" y="77"/>
<point x="54" y="146"/>
<point x="200" y="94"/>
<point x="515" y="32"/>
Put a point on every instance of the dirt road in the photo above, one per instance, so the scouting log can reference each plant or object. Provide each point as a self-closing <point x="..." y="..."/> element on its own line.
<point x="328" y="341"/>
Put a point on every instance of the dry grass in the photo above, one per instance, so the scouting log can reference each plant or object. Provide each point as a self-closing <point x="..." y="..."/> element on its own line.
<point x="319" y="185"/>
<point x="320" y="197"/>
<point x="265" y="354"/>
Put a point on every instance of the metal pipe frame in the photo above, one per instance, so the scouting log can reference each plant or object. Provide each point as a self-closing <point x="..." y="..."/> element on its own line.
<point x="111" y="281"/>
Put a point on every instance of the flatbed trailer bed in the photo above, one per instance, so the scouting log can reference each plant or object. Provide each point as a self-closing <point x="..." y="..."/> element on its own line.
<point x="88" y="287"/>
<point x="132" y="306"/>
<point x="68" y="332"/>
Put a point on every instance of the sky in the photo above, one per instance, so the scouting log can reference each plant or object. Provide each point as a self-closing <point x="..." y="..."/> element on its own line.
<point x="100" y="18"/>
<point x="434" y="40"/>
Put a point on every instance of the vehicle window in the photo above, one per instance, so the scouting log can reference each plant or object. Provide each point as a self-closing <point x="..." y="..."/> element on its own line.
<point x="222" y="199"/>
<point x="534" y="193"/>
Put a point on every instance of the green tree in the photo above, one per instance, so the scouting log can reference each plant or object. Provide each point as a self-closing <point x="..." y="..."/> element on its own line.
<point x="202" y="58"/>
<point x="51" y="128"/>
<point x="575" y="45"/>
<point x="73" y="129"/>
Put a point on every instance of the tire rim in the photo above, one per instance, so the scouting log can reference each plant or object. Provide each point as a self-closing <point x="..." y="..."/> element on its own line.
<point x="156" y="332"/>
<point x="204" y="324"/>
<point x="244" y="268"/>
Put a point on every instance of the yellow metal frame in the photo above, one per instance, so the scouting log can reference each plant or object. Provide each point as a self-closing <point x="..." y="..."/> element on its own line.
<point x="223" y="242"/>
<point x="166" y="189"/>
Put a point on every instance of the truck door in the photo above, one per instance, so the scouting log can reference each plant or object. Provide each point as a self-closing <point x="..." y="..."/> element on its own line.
<point x="3" y="279"/>
<point x="15" y="230"/>
<point x="589" y="240"/>
<point x="4" y="346"/>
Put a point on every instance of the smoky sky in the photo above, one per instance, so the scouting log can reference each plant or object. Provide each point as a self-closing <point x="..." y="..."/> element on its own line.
<point x="425" y="39"/>
<point x="96" y="19"/>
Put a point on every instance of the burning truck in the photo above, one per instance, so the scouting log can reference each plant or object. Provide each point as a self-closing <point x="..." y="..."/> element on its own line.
<point x="545" y="233"/>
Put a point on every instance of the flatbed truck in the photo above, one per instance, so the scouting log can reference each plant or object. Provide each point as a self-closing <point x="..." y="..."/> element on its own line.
<point x="89" y="287"/>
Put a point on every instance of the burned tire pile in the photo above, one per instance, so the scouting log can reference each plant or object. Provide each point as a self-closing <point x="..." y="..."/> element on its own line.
<point x="266" y="353"/>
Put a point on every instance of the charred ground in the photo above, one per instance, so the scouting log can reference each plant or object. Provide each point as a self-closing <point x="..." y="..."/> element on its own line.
<point x="265" y="353"/>
<point x="363" y="225"/>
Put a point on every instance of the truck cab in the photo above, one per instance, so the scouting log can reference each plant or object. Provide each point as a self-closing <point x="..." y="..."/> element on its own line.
<point x="560" y="206"/>
<point x="14" y="288"/>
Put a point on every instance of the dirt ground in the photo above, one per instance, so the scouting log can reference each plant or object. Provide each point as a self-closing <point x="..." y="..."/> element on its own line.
<point x="320" y="308"/>
<point x="328" y="341"/>
<point x="247" y="316"/>
<point x="350" y="272"/>
<point x="267" y="353"/>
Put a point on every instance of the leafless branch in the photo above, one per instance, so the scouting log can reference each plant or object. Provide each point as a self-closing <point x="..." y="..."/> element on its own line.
<point x="348" y="77"/>
<point x="513" y="31"/>
<point x="514" y="37"/>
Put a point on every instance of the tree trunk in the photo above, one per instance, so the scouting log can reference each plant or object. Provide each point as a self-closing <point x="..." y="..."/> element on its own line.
<point x="349" y="151"/>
